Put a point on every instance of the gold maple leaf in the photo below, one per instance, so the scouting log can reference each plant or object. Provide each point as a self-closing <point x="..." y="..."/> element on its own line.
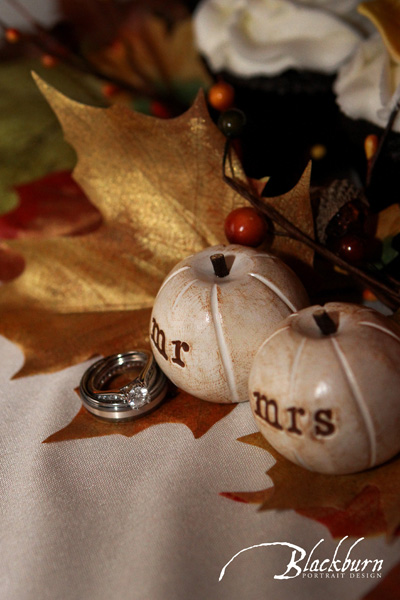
<point x="311" y="493"/>
<point x="295" y="205"/>
<point x="158" y="186"/>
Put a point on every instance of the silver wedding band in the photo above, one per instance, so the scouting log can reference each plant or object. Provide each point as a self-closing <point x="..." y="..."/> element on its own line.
<point x="131" y="401"/>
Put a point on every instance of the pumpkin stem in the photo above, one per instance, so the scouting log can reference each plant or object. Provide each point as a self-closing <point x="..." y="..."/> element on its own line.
<point x="219" y="264"/>
<point x="325" y="322"/>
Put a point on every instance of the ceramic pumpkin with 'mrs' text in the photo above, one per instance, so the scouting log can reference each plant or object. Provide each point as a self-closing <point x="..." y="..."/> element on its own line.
<point x="211" y="314"/>
<point x="325" y="388"/>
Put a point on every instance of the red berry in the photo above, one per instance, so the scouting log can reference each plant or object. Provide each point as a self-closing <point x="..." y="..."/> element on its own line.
<point x="350" y="247"/>
<point x="160" y="110"/>
<point x="221" y="96"/>
<point x="110" y="90"/>
<point x="245" y="226"/>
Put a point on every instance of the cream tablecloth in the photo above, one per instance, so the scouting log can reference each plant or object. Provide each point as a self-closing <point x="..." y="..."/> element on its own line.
<point x="142" y="518"/>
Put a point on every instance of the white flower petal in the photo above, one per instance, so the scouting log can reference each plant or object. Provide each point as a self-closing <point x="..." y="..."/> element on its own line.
<point x="367" y="87"/>
<point x="266" y="37"/>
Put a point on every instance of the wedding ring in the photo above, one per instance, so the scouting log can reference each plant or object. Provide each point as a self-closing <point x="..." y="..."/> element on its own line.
<point x="133" y="400"/>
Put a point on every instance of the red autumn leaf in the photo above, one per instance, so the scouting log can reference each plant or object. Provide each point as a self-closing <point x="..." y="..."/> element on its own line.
<point x="51" y="206"/>
<point x="362" y="504"/>
<point x="362" y="517"/>
<point x="12" y="263"/>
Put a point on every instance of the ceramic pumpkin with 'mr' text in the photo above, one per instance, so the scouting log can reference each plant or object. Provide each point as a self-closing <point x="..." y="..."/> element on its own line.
<point x="211" y="314"/>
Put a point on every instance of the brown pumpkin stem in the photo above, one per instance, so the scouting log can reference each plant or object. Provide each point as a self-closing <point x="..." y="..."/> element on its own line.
<point x="325" y="323"/>
<point x="219" y="264"/>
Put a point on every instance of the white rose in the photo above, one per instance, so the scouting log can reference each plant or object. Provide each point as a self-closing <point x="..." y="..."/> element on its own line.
<point x="368" y="86"/>
<point x="267" y="37"/>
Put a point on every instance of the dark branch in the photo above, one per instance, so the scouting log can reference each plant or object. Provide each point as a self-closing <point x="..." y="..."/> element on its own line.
<point x="389" y="296"/>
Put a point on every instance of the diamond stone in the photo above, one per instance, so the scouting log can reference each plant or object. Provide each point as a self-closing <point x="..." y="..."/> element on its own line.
<point x="136" y="395"/>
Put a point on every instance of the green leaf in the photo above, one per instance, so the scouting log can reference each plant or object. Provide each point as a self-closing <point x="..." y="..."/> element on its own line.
<point x="388" y="252"/>
<point x="187" y="90"/>
<point x="31" y="140"/>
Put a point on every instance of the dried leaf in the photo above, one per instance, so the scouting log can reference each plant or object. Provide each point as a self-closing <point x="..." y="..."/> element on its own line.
<point x="295" y="205"/>
<point x="96" y="25"/>
<point x="53" y="341"/>
<point x="159" y="188"/>
<point x="362" y="517"/>
<point x="148" y="51"/>
<point x="347" y="497"/>
<point x="387" y="226"/>
<point x="388" y="222"/>
<point x="183" y="408"/>
<point x="385" y="15"/>
<point x="50" y="206"/>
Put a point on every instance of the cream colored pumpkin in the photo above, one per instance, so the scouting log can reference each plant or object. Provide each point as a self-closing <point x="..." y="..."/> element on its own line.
<point x="205" y="330"/>
<point x="330" y="403"/>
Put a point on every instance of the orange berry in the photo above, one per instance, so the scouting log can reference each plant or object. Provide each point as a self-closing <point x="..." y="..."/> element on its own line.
<point x="245" y="226"/>
<point x="12" y="35"/>
<point x="48" y="60"/>
<point x="370" y="145"/>
<point x="221" y="96"/>
<point x="318" y="151"/>
<point x="369" y="296"/>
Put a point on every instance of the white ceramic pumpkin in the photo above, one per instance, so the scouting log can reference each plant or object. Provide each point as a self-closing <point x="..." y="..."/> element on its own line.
<point x="205" y="329"/>
<point x="330" y="402"/>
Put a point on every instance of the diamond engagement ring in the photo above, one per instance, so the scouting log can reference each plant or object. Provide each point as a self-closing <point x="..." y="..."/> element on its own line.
<point x="133" y="400"/>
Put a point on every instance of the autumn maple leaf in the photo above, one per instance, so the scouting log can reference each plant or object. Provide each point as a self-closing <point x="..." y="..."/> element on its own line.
<point x="50" y="206"/>
<point x="149" y="53"/>
<point x="199" y="416"/>
<point x="159" y="189"/>
<point x="365" y="503"/>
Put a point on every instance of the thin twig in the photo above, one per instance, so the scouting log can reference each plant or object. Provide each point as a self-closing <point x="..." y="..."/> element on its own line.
<point x="391" y="297"/>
